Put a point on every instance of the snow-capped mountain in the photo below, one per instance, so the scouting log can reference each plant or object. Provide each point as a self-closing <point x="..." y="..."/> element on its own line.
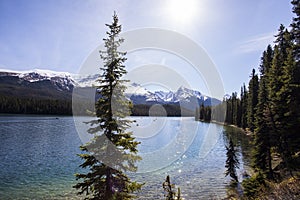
<point x="183" y="96"/>
<point x="141" y="95"/>
<point x="61" y="80"/>
<point x="85" y="80"/>
<point x="65" y="82"/>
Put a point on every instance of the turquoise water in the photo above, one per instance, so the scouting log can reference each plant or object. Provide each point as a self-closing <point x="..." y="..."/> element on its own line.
<point x="38" y="156"/>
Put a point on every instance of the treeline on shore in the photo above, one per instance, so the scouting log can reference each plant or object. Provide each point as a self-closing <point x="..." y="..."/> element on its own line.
<point x="170" y="110"/>
<point x="15" y="105"/>
<point x="269" y="109"/>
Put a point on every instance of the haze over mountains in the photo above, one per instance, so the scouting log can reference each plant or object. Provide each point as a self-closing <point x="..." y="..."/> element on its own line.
<point x="47" y="84"/>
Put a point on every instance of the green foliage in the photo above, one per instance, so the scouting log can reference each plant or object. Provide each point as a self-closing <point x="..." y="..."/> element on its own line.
<point x="204" y="113"/>
<point x="277" y="119"/>
<point x="282" y="95"/>
<point x="233" y="112"/>
<point x="113" y="151"/>
<point x="252" y="100"/>
<point x="295" y="71"/>
<point x="296" y="32"/>
<point x="14" y="105"/>
<point x="229" y="111"/>
<point x="270" y="107"/>
<point x="244" y="105"/>
<point x="174" y="110"/>
<point x="218" y="112"/>
<point x="262" y="139"/>
<point x="262" y="159"/>
<point x="232" y="162"/>
<point x="253" y="185"/>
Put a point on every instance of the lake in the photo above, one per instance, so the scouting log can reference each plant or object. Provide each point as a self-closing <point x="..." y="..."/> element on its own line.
<point x="38" y="156"/>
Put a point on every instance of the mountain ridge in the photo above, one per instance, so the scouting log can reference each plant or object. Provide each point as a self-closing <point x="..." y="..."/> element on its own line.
<point x="61" y="84"/>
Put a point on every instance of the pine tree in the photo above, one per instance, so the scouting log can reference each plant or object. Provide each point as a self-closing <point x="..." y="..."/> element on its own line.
<point x="262" y="142"/>
<point x="295" y="79"/>
<point x="244" y="97"/>
<point x="296" y="30"/>
<point x="238" y="109"/>
<point x="266" y="61"/>
<point x="252" y="100"/>
<point x="112" y="151"/>
<point x="279" y="92"/>
<point x="202" y="112"/>
<point x="289" y="120"/>
<point x="219" y="112"/>
<point x="283" y="41"/>
<point x="232" y="162"/>
<point x="207" y="114"/>
<point x="262" y="158"/>
<point x="235" y="103"/>
<point x="275" y="74"/>
<point x="274" y="81"/>
<point x="229" y="111"/>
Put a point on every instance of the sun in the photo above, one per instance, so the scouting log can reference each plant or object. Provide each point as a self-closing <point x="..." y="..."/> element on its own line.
<point x="182" y="11"/>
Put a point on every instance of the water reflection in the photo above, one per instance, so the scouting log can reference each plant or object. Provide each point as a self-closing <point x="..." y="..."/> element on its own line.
<point x="38" y="158"/>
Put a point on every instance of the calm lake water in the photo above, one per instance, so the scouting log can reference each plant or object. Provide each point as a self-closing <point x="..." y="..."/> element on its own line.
<point x="38" y="156"/>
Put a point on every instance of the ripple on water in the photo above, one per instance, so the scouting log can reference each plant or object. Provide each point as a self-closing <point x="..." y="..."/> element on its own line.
<point x="38" y="160"/>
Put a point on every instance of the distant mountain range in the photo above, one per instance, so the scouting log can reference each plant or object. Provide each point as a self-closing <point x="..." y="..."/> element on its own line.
<point x="45" y="84"/>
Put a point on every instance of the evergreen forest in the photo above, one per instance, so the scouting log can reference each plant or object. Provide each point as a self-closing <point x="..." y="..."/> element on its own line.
<point x="268" y="110"/>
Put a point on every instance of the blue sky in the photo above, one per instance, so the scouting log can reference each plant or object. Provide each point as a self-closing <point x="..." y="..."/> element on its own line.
<point x="60" y="34"/>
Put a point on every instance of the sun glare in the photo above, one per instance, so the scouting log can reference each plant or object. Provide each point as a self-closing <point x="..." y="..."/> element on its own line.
<point x="182" y="11"/>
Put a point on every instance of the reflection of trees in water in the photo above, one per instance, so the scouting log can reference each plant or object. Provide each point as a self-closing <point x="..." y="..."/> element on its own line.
<point x="241" y="141"/>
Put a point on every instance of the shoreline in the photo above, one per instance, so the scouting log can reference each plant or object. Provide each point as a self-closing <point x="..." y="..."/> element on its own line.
<point x="247" y="132"/>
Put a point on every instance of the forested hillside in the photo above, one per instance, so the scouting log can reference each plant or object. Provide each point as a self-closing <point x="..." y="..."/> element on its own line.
<point x="269" y="108"/>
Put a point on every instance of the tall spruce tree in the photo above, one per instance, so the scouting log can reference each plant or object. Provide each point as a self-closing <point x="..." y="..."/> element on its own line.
<point x="274" y="84"/>
<point x="289" y="120"/>
<point x="296" y="29"/>
<point x="283" y="41"/>
<point x="279" y="92"/>
<point x="266" y="62"/>
<point x="295" y="79"/>
<point x="252" y="100"/>
<point x="235" y="109"/>
<point x="232" y="162"/>
<point x="244" y="98"/>
<point x="262" y="158"/>
<point x="113" y="151"/>
<point x="229" y="111"/>
<point x="261" y="140"/>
